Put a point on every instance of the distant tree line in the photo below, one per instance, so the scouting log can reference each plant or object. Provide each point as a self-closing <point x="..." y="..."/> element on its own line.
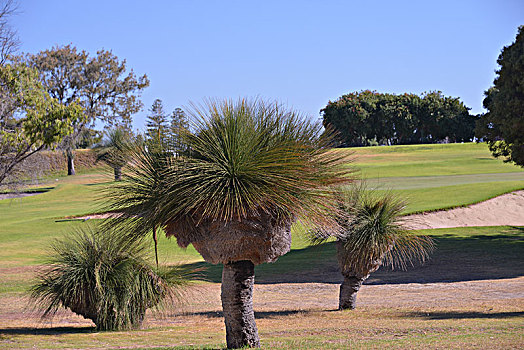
<point x="367" y="117"/>
<point x="164" y="130"/>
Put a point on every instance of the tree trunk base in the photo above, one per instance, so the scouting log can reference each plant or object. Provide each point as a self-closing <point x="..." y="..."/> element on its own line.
<point x="70" y="162"/>
<point x="237" y="302"/>
<point x="348" y="292"/>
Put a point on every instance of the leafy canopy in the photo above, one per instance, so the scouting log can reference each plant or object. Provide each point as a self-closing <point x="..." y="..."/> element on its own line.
<point x="368" y="117"/>
<point x="30" y="119"/>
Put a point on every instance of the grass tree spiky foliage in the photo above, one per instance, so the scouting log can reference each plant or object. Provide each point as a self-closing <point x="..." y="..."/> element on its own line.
<point x="373" y="235"/>
<point x="137" y="197"/>
<point x="106" y="277"/>
<point x="113" y="150"/>
<point x="252" y="169"/>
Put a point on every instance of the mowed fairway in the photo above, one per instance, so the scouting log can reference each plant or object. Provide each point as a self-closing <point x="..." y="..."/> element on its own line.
<point x="469" y="295"/>
<point x="437" y="176"/>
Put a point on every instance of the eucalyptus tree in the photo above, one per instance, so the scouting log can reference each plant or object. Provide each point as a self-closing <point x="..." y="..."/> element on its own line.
<point x="251" y="170"/>
<point x="30" y="120"/>
<point x="100" y="83"/>
<point x="373" y="235"/>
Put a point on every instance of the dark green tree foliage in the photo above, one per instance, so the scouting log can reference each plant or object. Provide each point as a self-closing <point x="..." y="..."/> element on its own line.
<point x="157" y="126"/>
<point x="100" y="83"/>
<point x="178" y="126"/>
<point x="164" y="132"/>
<point x="503" y="126"/>
<point x="367" y="117"/>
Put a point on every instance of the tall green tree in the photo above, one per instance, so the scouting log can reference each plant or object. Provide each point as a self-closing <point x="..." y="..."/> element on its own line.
<point x="503" y="125"/>
<point x="157" y="125"/>
<point x="178" y="126"/>
<point x="30" y="120"/>
<point x="252" y="169"/>
<point x="101" y="84"/>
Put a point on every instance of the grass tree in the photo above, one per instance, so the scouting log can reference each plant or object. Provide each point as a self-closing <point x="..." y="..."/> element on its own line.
<point x="139" y="195"/>
<point x="252" y="169"/>
<point x="114" y="150"/>
<point x="106" y="277"/>
<point x="373" y="235"/>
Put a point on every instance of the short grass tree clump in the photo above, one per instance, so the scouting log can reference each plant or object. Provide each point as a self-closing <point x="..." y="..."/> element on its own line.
<point x="373" y="234"/>
<point x="252" y="169"/>
<point x="106" y="277"/>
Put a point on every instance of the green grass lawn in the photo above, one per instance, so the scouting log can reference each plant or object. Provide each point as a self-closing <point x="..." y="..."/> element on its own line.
<point x="29" y="224"/>
<point x="432" y="177"/>
<point x="427" y="160"/>
<point x="459" y="251"/>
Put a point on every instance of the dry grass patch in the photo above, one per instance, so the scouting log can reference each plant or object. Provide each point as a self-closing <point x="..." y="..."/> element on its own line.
<point x="473" y="314"/>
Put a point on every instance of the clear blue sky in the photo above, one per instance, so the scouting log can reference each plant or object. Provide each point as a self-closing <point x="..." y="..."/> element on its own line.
<point x="302" y="53"/>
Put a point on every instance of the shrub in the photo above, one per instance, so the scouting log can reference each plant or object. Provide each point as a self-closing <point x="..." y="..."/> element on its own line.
<point x="105" y="276"/>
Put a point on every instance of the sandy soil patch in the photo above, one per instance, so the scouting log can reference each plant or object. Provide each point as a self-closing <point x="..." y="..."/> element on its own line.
<point x="18" y="195"/>
<point x="505" y="210"/>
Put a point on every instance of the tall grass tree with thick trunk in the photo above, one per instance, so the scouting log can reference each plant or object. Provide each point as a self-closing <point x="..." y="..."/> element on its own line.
<point x="252" y="169"/>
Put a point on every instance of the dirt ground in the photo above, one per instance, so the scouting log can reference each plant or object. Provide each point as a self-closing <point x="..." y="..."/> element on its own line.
<point x="291" y="298"/>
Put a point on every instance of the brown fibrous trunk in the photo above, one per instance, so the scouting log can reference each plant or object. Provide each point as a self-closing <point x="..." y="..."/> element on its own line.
<point x="237" y="302"/>
<point x="348" y="292"/>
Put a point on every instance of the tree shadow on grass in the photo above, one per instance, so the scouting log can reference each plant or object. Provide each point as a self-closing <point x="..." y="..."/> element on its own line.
<point x="258" y="314"/>
<point x="46" y="331"/>
<point x="102" y="183"/>
<point x="451" y="315"/>
<point x="455" y="259"/>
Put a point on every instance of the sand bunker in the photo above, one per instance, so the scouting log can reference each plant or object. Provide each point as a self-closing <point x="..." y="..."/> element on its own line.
<point x="12" y="195"/>
<point x="507" y="209"/>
